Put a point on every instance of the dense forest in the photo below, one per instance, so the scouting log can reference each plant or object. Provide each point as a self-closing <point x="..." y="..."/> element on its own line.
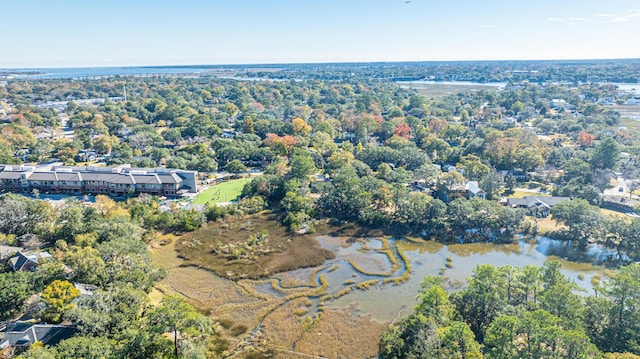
<point x="528" y="312"/>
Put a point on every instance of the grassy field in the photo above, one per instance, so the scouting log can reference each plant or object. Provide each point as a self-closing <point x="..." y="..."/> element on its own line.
<point x="614" y="214"/>
<point x="223" y="192"/>
<point x="548" y="224"/>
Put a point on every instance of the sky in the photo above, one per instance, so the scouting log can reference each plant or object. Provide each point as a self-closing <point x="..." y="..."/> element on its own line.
<point x="80" y="33"/>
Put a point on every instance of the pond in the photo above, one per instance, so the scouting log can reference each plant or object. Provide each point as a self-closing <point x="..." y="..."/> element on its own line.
<point x="389" y="302"/>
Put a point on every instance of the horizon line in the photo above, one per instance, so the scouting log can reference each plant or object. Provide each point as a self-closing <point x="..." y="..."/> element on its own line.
<point x="284" y="63"/>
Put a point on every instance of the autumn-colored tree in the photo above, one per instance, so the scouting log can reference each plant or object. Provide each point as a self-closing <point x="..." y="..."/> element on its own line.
<point x="585" y="139"/>
<point x="300" y="126"/>
<point x="57" y="298"/>
<point x="402" y="130"/>
<point x="248" y="125"/>
<point x="280" y="144"/>
<point x="108" y="208"/>
<point x="104" y="143"/>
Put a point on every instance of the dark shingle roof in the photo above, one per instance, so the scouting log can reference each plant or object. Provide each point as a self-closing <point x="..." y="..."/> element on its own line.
<point x="23" y="334"/>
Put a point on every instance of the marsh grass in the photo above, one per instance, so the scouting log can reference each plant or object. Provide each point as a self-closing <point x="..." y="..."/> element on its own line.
<point x="367" y="284"/>
<point x="342" y="334"/>
<point x="219" y="246"/>
<point x="343" y="292"/>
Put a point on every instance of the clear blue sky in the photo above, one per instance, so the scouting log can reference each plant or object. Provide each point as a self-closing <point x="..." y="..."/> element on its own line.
<point x="41" y="33"/>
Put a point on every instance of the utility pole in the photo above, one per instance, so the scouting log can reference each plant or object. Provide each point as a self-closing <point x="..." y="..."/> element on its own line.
<point x="124" y="89"/>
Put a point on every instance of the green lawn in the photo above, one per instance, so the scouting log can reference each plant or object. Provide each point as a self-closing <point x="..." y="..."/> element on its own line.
<point x="223" y="192"/>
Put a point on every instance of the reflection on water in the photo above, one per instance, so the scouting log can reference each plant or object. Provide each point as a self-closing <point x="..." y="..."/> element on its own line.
<point x="387" y="302"/>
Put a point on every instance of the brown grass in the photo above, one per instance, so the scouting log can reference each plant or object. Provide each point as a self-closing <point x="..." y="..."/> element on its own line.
<point x="283" y="326"/>
<point x="342" y="334"/>
<point x="239" y="305"/>
<point x="548" y="224"/>
<point x="614" y="214"/>
<point x="286" y="251"/>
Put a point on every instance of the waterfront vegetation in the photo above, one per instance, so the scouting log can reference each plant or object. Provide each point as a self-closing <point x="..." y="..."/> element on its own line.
<point x="310" y="255"/>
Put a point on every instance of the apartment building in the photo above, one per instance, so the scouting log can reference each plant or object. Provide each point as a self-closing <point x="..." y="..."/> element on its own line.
<point x="116" y="181"/>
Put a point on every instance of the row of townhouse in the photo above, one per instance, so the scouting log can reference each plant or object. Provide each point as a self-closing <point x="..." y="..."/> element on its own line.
<point x="116" y="181"/>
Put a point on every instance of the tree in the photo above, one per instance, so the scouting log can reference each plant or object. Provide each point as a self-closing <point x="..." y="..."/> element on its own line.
<point x="110" y="311"/>
<point x="236" y="167"/>
<point x="448" y="182"/>
<point x="605" y="154"/>
<point x="481" y="302"/>
<point x="85" y="347"/>
<point x="584" y="220"/>
<point x="473" y="167"/>
<point x="623" y="290"/>
<point x="585" y="139"/>
<point x="576" y="170"/>
<point x="87" y="264"/>
<point x="402" y="130"/>
<point x="301" y="167"/>
<point x="104" y="143"/>
<point x="492" y="184"/>
<point x="300" y="127"/>
<point x="57" y="298"/>
<point x="181" y="319"/>
<point x="15" y="288"/>
<point x="458" y="341"/>
<point x="501" y="337"/>
<point x="529" y="158"/>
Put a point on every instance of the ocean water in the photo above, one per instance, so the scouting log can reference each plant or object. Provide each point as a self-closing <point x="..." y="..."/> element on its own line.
<point x="81" y="72"/>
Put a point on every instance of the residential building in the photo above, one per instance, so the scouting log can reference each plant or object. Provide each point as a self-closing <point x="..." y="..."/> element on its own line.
<point x="20" y="336"/>
<point x="620" y="203"/>
<point x="538" y="206"/>
<point x="27" y="262"/>
<point x="474" y="191"/>
<point x="557" y="104"/>
<point x="117" y="181"/>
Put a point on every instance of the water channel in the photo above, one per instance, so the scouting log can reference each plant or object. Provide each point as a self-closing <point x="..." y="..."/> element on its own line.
<point x="365" y="261"/>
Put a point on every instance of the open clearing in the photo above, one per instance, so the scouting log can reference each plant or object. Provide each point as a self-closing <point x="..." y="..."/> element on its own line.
<point x="223" y="192"/>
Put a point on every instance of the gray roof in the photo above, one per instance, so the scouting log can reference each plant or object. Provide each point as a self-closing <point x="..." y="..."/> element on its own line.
<point x="62" y="176"/>
<point x="24" y="334"/>
<point x="146" y="179"/>
<point x="94" y="176"/>
<point x="170" y="178"/>
<point x="43" y="176"/>
<point x="117" y="175"/>
<point x="531" y="201"/>
<point x="10" y="175"/>
<point x="124" y="179"/>
<point x="473" y="187"/>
